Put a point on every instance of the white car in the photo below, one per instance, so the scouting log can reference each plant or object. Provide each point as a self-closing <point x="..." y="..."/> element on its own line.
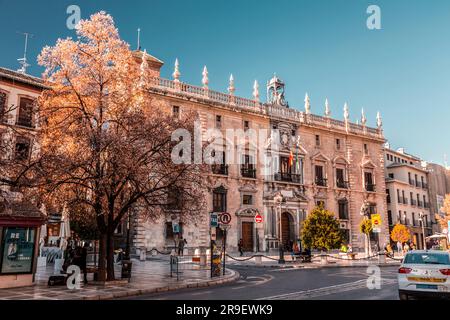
<point x="424" y="274"/>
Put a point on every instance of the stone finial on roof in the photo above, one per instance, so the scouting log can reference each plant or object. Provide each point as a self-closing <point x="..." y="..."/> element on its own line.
<point x="346" y="113"/>
<point x="144" y="68"/>
<point x="307" y="104"/>
<point x="205" y="80"/>
<point x="256" y="90"/>
<point x="363" y="117"/>
<point x="327" y="108"/>
<point x="379" y="121"/>
<point x="176" y="72"/>
<point x="231" y="87"/>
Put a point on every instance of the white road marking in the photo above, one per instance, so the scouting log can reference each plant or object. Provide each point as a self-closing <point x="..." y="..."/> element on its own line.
<point x="262" y="280"/>
<point x="299" y="295"/>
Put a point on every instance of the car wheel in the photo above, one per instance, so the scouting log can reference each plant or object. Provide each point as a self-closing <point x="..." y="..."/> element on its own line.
<point x="403" y="296"/>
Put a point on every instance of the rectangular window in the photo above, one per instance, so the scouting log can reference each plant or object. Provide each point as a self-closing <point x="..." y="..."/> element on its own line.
<point x="22" y="149"/>
<point x="219" y="201"/>
<point x="368" y="178"/>
<point x="25" y="117"/>
<point x="340" y="178"/>
<point x="319" y="176"/>
<point x="413" y="217"/>
<point x="247" y="199"/>
<point x="366" y="149"/>
<point x="176" y="112"/>
<point x="338" y="144"/>
<point x="218" y="122"/>
<point x="388" y="198"/>
<point x="343" y="210"/>
<point x="391" y="175"/>
<point x="317" y="140"/>
<point x="169" y="230"/>
<point x="246" y="125"/>
<point x="174" y="199"/>
<point x="3" y="99"/>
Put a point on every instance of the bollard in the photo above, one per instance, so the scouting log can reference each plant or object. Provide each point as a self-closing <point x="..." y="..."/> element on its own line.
<point x="258" y="260"/>
<point x="323" y="259"/>
<point x="203" y="259"/>
<point x="381" y="258"/>
<point x="154" y="252"/>
<point x="143" y="255"/>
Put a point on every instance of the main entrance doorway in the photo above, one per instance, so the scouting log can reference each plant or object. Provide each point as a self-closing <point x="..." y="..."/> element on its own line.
<point x="286" y="228"/>
<point x="247" y="236"/>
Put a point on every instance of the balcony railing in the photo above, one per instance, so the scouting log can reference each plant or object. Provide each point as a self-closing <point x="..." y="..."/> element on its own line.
<point x="420" y="204"/>
<point x="221" y="169"/>
<point x="400" y="200"/>
<point x="166" y="85"/>
<point x="370" y="187"/>
<point x="405" y="200"/>
<point x="248" y="173"/>
<point x="413" y="202"/>
<point x="288" y="177"/>
<point x="342" y="184"/>
<point x="426" y="205"/>
<point x="424" y="185"/>
<point x="418" y="184"/>
<point x="411" y="182"/>
<point x="321" y="182"/>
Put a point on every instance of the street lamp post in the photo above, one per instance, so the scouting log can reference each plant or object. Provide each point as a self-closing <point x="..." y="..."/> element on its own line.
<point x="421" y="216"/>
<point x="278" y="200"/>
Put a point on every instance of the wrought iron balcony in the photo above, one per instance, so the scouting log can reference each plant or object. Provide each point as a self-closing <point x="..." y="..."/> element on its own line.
<point x="248" y="173"/>
<point x="288" y="177"/>
<point x="221" y="169"/>
<point x="418" y="184"/>
<point x="420" y="204"/>
<point x="413" y="202"/>
<point x="370" y="187"/>
<point x="411" y="182"/>
<point x="424" y="185"/>
<point x="342" y="184"/>
<point x="321" y="182"/>
<point x="405" y="200"/>
<point x="426" y="205"/>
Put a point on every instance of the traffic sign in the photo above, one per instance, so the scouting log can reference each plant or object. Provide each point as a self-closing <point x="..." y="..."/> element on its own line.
<point x="258" y="218"/>
<point x="225" y="218"/>
<point x="376" y="223"/>
<point x="214" y="220"/>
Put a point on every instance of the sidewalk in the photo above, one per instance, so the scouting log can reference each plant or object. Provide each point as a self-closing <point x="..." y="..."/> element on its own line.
<point x="336" y="261"/>
<point x="147" y="277"/>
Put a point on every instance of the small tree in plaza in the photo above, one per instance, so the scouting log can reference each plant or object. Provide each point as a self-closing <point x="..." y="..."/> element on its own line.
<point x="321" y="230"/>
<point x="366" y="227"/>
<point x="400" y="233"/>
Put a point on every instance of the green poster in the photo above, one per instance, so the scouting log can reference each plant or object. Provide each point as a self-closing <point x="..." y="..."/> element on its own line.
<point x="18" y="250"/>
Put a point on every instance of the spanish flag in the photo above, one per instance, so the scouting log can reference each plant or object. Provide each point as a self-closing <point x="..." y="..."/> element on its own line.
<point x="291" y="159"/>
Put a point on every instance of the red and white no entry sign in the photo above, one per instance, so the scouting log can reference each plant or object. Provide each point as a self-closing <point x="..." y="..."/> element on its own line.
<point x="258" y="218"/>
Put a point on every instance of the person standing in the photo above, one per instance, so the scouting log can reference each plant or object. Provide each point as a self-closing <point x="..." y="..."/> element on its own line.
<point x="181" y="243"/>
<point x="399" y="247"/>
<point x="240" y="247"/>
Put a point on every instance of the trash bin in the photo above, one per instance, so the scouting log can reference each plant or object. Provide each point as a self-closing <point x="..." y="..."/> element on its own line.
<point x="126" y="269"/>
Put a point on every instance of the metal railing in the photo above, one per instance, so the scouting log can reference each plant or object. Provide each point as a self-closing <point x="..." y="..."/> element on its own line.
<point x="221" y="169"/>
<point x="342" y="184"/>
<point x="288" y="177"/>
<point x="321" y="182"/>
<point x="370" y="187"/>
<point x="201" y="93"/>
<point x="248" y="173"/>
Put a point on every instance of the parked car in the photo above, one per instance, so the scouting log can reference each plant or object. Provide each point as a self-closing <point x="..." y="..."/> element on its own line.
<point x="424" y="273"/>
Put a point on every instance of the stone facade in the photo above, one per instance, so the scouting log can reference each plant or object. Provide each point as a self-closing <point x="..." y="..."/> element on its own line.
<point x="341" y="165"/>
<point x="408" y="199"/>
<point x="438" y="187"/>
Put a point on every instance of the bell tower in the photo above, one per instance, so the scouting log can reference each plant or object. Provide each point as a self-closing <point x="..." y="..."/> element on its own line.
<point x="275" y="92"/>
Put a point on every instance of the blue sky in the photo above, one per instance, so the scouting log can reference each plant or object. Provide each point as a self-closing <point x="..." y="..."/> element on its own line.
<point x="322" y="47"/>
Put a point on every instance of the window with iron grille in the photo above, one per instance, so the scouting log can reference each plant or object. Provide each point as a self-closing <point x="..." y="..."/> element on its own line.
<point x="220" y="200"/>
<point x="22" y="152"/>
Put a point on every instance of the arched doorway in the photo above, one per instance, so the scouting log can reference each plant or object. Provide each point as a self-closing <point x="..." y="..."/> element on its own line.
<point x="287" y="228"/>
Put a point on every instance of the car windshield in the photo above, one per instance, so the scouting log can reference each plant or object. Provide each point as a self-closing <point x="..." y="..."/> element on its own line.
<point x="427" y="258"/>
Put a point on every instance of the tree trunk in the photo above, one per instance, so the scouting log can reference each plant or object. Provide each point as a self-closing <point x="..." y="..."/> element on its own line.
<point x="110" y="257"/>
<point x="102" y="258"/>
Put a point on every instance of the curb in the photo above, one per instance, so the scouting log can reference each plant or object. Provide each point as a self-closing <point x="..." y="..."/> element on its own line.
<point x="137" y="292"/>
<point x="306" y="266"/>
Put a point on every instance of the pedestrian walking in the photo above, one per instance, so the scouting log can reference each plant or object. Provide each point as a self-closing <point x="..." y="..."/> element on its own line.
<point x="399" y="247"/>
<point x="406" y="248"/>
<point x="240" y="247"/>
